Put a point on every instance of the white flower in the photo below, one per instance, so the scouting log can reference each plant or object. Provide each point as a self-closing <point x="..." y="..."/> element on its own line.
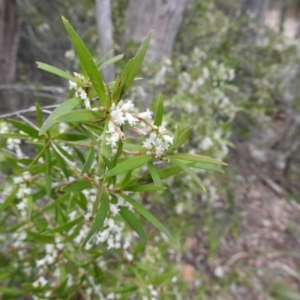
<point x="113" y="140"/>
<point x="72" y="85"/>
<point x="130" y="119"/>
<point x="21" y="206"/>
<point x="206" y="143"/>
<point x="146" y="115"/>
<point x="128" y="106"/>
<point x="168" y="138"/>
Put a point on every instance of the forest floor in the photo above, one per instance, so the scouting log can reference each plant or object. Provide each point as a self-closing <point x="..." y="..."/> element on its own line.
<point x="257" y="255"/>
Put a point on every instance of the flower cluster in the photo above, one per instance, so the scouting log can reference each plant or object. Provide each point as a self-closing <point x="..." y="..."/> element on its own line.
<point x="124" y="113"/>
<point x="81" y="86"/>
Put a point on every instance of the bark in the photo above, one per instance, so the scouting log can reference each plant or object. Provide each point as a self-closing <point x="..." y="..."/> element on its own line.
<point x="10" y="28"/>
<point x="258" y="7"/>
<point x="105" y="33"/>
<point x="164" y="16"/>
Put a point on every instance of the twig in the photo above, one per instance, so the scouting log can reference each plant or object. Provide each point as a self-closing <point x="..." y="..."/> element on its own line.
<point x="274" y="186"/>
<point x="25" y="111"/>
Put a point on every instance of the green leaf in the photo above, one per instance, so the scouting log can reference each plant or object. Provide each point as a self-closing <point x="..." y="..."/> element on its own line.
<point x="25" y="128"/>
<point x="87" y="62"/>
<point x="190" y="172"/>
<point x="55" y="71"/>
<point x="131" y="70"/>
<point x="77" y="186"/>
<point x="99" y="219"/>
<point x="129" y="164"/>
<point x="196" y="158"/>
<point x="61" y="109"/>
<point x="9" y="199"/>
<point x="146" y="214"/>
<point x="159" y="112"/>
<point x="105" y="150"/>
<point x="111" y="61"/>
<point x="154" y="174"/>
<point x="79" y="116"/>
<point x="182" y="138"/>
<point x="48" y="239"/>
<point x="67" y="226"/>
<point x="209" y="167"/>
<point x="39" y="115"/>
<point x="88" y="163"/>
<point x="132" y="221"/>
<point x="143" y="188"/>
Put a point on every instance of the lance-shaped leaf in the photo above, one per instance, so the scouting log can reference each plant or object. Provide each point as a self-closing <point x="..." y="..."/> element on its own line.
<point x="131" y="70"/>
<point x="196" y="158"/>
<point x="159" y="112"/>
<point x="48" y="239"/>
<point x="67" y="226"/>
<point x="111" y="61"/>
<point x="55" y="71"/>
<point x="80" y="116"/>
<point x="182" y="137"/>
<point x="78" y="186"/>
<point x="61" y="109"/>
<point x="129" y="164"/>
<point x="154" y="174"/>
<point x="186" y="169"/>
<point x="87" y="62"/>
<point x="88" y="163"/>
<point x="99" y="219"/>
<point x="25" y="128"/>
<point x="143" y="188"/>
<point x="147" y="214"/>
<point x="132" y="221"/>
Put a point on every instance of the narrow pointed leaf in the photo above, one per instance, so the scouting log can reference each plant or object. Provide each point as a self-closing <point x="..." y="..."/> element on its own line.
<point x="159" y="112"/>
<point x="128" y="165"/>
<point x="55" y="71"/>
<point x="25" y="128"/>
<point x="143" y="188"/>
<point x="196" y="158"/>
<point x="154" y="174"/>
<point x="67" y="226"/>
<point x="99" y="219"/>
<point x="79" y="116"/>
<point x="186" y="169"/>
<point x="183" y="137"/>
<point x="48" y="239"/>
<point x="111" y="61"/>
<point x="88" y="163"/>
<point x="147" y="214"/>
<point x="131" y="69"/>
<point x="39" y="115"/>
<point x="88" y="63"/>
<point x="132" y="221"/>
<point x="78" y="186"/>
<point x="61" y="109"/>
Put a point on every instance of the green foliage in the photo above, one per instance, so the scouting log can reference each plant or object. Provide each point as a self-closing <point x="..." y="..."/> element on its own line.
<point x="73" y="201"/>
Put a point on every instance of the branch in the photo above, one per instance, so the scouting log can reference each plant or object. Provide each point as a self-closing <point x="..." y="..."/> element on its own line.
<point x="27" y="110"/>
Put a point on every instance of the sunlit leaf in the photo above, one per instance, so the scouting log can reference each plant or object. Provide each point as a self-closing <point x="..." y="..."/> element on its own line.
<point x="79" y="116"/>
<point x="129" y="164"/>
<point x="55" y="71"/>
<point x="87" y="62"/>
<point x="61" y="109"/>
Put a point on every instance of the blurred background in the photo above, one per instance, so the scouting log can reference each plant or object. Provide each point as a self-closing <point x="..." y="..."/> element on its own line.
<point x="232" y="69"/>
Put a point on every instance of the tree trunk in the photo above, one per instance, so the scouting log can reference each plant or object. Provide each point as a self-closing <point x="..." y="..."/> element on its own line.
<point x="164" y="16"/>
<point x="258" y="7"/>
<point x="105" y="33"/>
<point x="10" y="28"/>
